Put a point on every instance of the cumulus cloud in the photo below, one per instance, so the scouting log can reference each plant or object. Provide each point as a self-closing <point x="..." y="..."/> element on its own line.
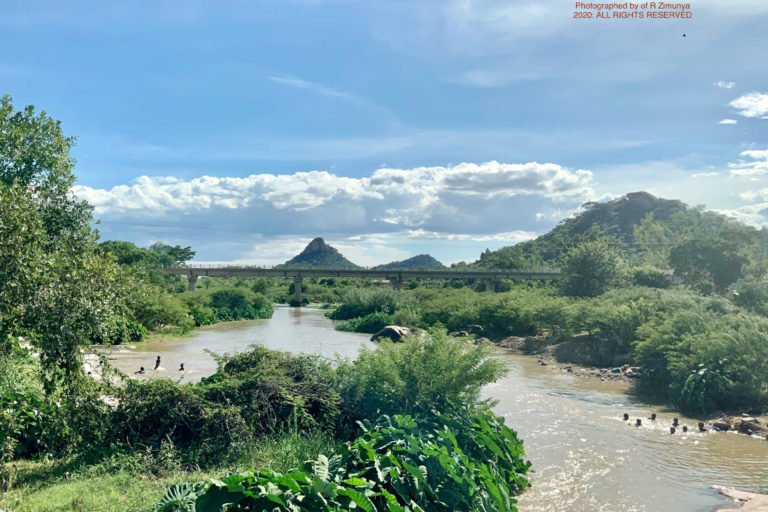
<point x="755" y="166"/>
<point x="753" y="104"/>
<point x="728" y="121"/>
<point x="725" y="85"/>
<point x="483" y="201"/>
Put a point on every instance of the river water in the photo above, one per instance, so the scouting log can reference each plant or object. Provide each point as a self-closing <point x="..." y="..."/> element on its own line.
<point x="585" y="458"/>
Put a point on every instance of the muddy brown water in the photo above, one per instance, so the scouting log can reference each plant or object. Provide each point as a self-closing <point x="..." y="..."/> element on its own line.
<point x="585" y="457"/>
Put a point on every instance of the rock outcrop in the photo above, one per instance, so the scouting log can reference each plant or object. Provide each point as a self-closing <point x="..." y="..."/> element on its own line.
<point x="393" y="332"/>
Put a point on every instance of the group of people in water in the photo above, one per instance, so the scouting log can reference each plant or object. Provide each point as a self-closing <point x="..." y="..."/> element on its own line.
<point x="142" y="371"/>
<point x="672" y="429"/>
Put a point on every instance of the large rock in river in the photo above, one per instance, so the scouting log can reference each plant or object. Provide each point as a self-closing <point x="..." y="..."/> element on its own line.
<point x="393" y="332"/>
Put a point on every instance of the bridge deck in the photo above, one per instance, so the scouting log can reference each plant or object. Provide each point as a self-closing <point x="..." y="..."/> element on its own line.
<point x="243" y="271"/>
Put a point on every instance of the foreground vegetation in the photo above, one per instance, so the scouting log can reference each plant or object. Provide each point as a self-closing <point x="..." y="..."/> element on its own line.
<point x="402" y="426"/>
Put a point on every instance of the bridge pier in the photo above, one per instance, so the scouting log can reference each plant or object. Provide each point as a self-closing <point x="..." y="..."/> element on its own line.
<point x="396" y="282"/>
<point x="192" y="280"/>
<point x="490" y="285"/>
<point x="297" y="280"/>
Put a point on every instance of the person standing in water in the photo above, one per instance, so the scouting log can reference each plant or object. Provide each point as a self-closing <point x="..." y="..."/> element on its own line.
<point x="181" y="367"/>
<point x="157" y="363"/>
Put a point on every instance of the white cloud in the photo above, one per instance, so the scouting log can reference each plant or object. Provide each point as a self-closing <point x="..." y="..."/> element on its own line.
<point x="509" y="238"/>
<point x="725" y="85"/>
<point x="728" y="121"/>
<point x="753" y="104"/>
<point x="757" y="166"/>
<point x="704" y="174"/>
<point x="491" y="201"/>
<point x="755" y="153"/>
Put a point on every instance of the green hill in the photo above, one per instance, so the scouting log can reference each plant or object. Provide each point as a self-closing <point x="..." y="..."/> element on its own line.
<point x="420" y="262"/>
<point x="321" y="255"/>
<point x="644" y="226"/>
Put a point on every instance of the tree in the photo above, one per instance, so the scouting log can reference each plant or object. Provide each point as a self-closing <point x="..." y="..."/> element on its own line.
<point x="57" y="291"/>
<point x="175" y="255"/>
<point x="707" y="264"/>
<point x="655" y="240"/>
<point x="590" y="268"/>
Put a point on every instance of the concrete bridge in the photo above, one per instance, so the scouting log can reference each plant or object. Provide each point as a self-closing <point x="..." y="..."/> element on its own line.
<point x="395" y="277"/>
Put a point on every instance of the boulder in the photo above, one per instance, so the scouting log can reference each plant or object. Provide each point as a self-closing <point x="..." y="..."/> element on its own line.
<point x="721" y="426"/>
<point x="393" y="332"/>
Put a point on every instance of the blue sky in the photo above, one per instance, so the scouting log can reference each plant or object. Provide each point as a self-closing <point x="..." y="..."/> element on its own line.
<point x="391" y="128"/>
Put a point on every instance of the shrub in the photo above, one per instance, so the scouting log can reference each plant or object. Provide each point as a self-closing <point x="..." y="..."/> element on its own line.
<point x="371" y="323"/>
<point x="401" y="463"/>
<point x="424" y="372"/>
<point x="652" y="277"/>
<point x="276" y="391"/>
<point x="361" y="302"/>
<point x="150" y="413"/>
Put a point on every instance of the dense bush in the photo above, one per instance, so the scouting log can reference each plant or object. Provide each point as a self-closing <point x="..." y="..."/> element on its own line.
<point x="358" y="302"/>
<point x="253" y="394"/>
<point x="150" y="413"/>
<point x="370" y="323"/>
<point x="421" y="373"/>
<point x="704" y="360"/>
<point x="400" y="463"/>
<point x="276" y="391"/>
<point x="651" y="277"/>
<point x="207" y="307"/>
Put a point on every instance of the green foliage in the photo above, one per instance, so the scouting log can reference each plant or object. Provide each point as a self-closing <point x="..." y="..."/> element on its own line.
<point x="707" y="265"/>
<point x="169" y="255"/>
<point x="253" y="394"/>
<point x="729" y="349"/>
<point x="371" y="323"/>
<point x="590" y="269"/>
<point x="358" y="302"/>
<point x="227" y="304"/>
<point x="414" y="376"/>
<point x="652" y="277"/>
<point x="155" y="411"/>
<point x="751" y="296"/>
<point x="418" y="262"/>
<point x="399" y="463"/>
<point x="276" y="391"/>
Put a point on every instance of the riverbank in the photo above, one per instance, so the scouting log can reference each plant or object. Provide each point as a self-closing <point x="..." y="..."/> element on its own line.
<point x="546" y="355"/>
<point x="745" y="501"/>
<point x="586" y="457"/>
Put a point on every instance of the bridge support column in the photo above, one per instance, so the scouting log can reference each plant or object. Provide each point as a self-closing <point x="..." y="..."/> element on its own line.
<point x="192" y="280"/>
<point x="396" y="282"/>
<point x="490" y="285"/>
<point x="297" y="289"/>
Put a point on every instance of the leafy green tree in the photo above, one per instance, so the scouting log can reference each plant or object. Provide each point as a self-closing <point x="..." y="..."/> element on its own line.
<point x="172" y="255"/>
<point x="709" y="264"/>
<point x="590" y="268"/>
<point x="655" y="240"/>
<point x="57" y="291"/>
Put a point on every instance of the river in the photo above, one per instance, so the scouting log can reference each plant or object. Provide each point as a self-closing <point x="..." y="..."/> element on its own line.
<point x="585" y="458"/>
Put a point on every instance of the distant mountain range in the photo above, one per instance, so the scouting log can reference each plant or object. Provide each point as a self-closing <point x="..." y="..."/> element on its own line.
<point x="420" y="262"/>
<point x="639" y="221"/>
<point x="320" y="255"/>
